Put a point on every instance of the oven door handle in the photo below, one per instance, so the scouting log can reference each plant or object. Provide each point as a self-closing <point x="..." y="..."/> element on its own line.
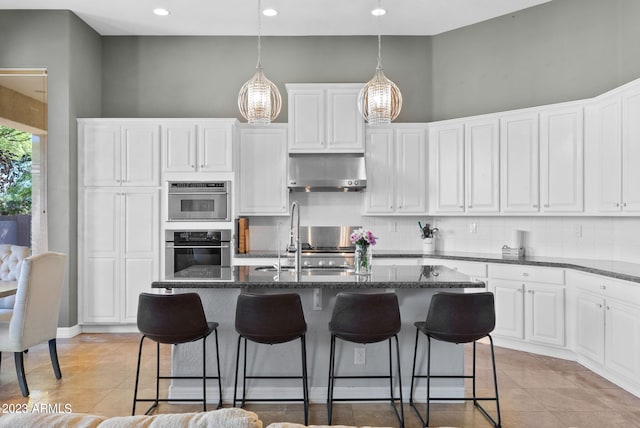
<point x="198" y="193"/>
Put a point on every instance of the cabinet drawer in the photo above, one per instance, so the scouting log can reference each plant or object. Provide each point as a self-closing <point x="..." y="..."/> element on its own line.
<point x="526" y="273"/>
<point x="606" y="287"/>
<point x="468" y="268"/>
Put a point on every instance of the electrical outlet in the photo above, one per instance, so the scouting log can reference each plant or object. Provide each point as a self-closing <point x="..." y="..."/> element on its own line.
<point x="578" y="229"/>
<point x="317" y="299"/>
<point x="473" y="227"/>
<point x="359" y="356"/>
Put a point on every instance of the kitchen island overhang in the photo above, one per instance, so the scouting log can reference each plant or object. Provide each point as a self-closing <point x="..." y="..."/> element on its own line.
<point x="414" y="286"/>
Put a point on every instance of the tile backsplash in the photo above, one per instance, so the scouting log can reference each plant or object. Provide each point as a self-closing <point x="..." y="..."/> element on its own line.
<point x="608" y="238"/>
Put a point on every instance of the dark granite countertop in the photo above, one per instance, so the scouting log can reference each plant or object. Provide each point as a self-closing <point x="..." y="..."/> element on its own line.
<point x="615" y="269"/>
<point x="380" y="277"/>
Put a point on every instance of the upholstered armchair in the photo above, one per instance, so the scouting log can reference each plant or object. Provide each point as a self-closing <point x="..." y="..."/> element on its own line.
<point x="35" y="313"/>
<point x="11" y="257"/>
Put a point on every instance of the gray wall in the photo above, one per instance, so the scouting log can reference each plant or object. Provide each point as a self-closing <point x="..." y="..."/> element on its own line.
<point x="560" y="51"/>
<point x="201" y="76"/>
<point x="70" y="51"/>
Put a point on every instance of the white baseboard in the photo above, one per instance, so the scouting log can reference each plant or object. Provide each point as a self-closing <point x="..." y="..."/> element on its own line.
<point x="116" y="328"/>
<point x="68" y="332"/>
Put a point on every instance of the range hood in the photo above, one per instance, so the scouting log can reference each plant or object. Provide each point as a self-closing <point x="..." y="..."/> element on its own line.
<point x="322" y="172"/>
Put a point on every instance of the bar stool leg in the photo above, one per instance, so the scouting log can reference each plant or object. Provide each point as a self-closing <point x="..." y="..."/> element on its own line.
<point x="399" y="380"/>
<point x="235" y="385"/>
<point x="305" y="385"/>
<point x="426" y="420"/>
<point x="135" y="391"/>
<point x="204" y="374"/>
<point x="495" y="382"/>
<point x="244" y="375"/>
<point x="219" y="375"/>
<point x="331" y="378"/>
<point x="413" y="370"/>
<point x="155" y="403"/>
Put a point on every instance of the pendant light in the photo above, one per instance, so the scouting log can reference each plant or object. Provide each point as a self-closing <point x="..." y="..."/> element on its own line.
<point x="380" y="100"/>
<point x="259" y="100"/>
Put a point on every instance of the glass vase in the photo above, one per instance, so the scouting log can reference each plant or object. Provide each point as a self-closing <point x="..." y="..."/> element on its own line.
<point x="362" y="259"/>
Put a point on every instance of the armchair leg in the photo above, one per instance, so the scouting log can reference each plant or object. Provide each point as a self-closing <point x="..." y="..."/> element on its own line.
<point x="53" y="352"/>
<point x="22" y="380"/>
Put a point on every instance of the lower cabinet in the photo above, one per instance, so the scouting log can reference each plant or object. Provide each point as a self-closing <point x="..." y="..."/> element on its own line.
<point x="608" y="324"/>
<point x="119" y="252"/>
<point x="529" y="310"/>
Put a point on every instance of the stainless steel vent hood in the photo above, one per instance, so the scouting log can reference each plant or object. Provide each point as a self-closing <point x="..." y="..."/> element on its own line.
<point x="334" y="172"/>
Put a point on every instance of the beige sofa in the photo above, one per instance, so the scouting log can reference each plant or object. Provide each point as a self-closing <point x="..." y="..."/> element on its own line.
<point x="11" y="257"/>
<point x="223" y="418"/>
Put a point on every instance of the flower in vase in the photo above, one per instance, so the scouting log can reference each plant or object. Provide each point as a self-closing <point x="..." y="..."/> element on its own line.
<point x="363" y="238"/>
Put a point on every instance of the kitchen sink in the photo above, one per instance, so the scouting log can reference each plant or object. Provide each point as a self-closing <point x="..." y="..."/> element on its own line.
<point x="311" y="270"/>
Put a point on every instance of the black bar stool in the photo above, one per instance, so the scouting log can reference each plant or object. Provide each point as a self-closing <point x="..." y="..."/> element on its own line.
<point x="365" y="318"/>
<point x="271" y="319"/>
<point x="457" y="318"/>
<point x="175" y="319"/>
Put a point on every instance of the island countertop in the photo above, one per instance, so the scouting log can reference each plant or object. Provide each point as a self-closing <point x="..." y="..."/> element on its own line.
<point x="382" y="276"/>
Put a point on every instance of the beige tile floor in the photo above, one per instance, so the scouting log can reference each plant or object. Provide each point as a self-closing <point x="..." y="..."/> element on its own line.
<point x="535" y="391"/>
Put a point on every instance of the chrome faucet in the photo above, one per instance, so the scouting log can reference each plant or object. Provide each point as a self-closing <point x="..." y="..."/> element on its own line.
<point x="294" y="242"/>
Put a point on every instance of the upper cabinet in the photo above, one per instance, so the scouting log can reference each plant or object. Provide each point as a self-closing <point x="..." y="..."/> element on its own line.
<point x="117" y="153"/>
<point x="262" y="170"/>
<point x="325" y="118"/>
<point x="464" y="165"/>
<point x="612" y="152"/>
<point x="198" y="145"/>
<point x="396" y="160"/>
<point x="561" y="159"/>
<point x="519" y="173"/>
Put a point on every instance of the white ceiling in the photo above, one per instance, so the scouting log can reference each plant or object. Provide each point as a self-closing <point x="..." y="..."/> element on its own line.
<point x="295" y="18"/>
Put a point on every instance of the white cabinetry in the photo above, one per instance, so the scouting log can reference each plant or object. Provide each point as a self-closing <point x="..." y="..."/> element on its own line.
<point x="464" y="167"/>
<point x="631" y="150"/>
<point x="530" y="303"/>
<point x="519" y="170"/>
<point x="396" y="158"/>
<point x="561" y="159"/>
<point x="262" y="170"/>
<point x="119" y="252"/>
<point x="446" y="168"/>
<point x="202" y="145"/>
<point x="119" y="154"/>
<point x="482" y="173"/>
<point x="118" y="217"/>
<point x="325" y="118"/>
<point x="608" y="324"/>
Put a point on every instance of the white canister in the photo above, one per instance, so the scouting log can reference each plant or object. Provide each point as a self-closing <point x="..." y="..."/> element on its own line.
<point x="428" y="245"/>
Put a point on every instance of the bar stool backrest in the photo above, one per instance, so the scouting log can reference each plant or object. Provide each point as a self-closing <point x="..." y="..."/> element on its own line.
<point x="460" y="317"/>
<point x="365" y="318"/>
<point x="172" y="318"/>
<point x="270" y="318"/>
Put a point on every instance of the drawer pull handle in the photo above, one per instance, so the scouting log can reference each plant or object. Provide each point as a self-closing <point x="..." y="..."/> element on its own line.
<point x="603" y="287"/>
<point x="525" y="274"/>
<point x="599" y="305"/>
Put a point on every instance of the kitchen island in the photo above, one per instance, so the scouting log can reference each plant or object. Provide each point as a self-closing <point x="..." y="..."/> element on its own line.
<point x="318" y="287"/>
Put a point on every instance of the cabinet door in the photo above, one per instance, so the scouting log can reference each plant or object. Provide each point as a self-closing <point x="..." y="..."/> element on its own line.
<point x="410" y="171"/>
<point x="519" y="185"/>
<point x="379" y="195"/>
<point x="447" y="168"/>
<point x="545" y="310"/>
<point x="603" y="155"/>
<point x="101" y="160"/>
<point x="101" y="256"/>
<point x="141" y="248"/>
<point x="561" y="160"/>
<point x="214" y="147"/>
<point x="179" y="142"/>
<point x="141" y="155"/>
<point x="263" y="171"/>
<point x="509" y="303"/>
<point x="482" y="172"/>
<point x="590" y="313"/>
<point x="622" y="338"/>
<point x="345" y="125"/>
<point x="306" y="120"/>
<point x="631" y="152"/>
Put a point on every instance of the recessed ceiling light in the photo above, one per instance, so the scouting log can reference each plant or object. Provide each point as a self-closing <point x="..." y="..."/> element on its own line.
<point x="378" y="11"/>
<point x="269" y="12"/>
<point x="161" y="12"/>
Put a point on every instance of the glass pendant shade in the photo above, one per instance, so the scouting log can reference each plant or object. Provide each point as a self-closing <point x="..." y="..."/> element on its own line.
<point x="259" y="100"/>
<point x="380" y="100"/>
